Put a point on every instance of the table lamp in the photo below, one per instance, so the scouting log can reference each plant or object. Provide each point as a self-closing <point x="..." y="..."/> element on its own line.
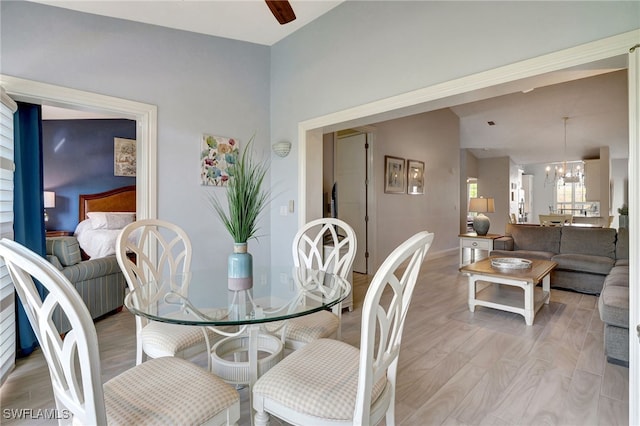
<point x="49" y="203"/>
<point x="481" y="222"/>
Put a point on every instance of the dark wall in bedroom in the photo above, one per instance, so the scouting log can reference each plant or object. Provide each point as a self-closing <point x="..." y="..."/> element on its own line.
<point x="78" y="159"/>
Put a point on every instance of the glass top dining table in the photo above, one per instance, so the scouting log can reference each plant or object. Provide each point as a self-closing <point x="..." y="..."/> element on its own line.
<point x="202" y="297"/>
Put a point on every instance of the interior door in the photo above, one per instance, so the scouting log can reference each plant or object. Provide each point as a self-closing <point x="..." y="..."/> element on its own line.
<point x="351" y="177"/>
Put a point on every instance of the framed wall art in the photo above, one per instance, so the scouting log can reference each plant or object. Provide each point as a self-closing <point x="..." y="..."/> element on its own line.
<point x="217" y="156"/>
<point x="394" y="175"/>
<point x="124" y="157"/>
<point x="415" y="177"/>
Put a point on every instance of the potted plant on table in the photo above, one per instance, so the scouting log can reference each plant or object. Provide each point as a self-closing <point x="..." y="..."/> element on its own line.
<point x="623" y="220"/>
<point x="247" y="197"/>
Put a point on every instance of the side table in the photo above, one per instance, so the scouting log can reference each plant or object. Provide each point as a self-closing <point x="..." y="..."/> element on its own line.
<point x="473" y="242"/>
<point x="59" y="233"/>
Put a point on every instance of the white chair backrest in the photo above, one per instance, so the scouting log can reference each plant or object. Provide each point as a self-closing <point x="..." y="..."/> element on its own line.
<point x="555" y="219"/>
<point x="161" y="249"/>
<point x="386" y="321"/>
<point x="309" y="244"/>
<point x="78" y="352"/>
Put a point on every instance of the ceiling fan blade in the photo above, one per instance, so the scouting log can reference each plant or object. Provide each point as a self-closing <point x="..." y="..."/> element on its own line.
<point x="282" y="10"/>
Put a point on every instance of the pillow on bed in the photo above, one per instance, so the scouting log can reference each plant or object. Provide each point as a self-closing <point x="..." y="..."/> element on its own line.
<point x="110" y="220"/>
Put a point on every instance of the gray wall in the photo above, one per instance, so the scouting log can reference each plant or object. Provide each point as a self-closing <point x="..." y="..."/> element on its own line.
<point x="619" y="186"/>
<point x="433" y="138"/>
<point x="494" y="182"/>
<point x="356" y="53"/>
<point x="200" y="84"/>
<point x="78" y="159"/>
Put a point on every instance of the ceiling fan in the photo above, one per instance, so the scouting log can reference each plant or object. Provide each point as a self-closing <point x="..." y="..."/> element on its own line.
<point x="282" y="10"/>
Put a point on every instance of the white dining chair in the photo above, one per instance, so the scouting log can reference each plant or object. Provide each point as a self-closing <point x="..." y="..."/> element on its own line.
<point x="149" y="250"/>
<point x="555" y="219"/>
<point x="331" y="382"/>
<point x="329" y="245"/>
<point x="144" y="394"/>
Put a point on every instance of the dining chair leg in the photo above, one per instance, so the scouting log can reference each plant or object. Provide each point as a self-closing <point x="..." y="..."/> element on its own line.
<point x="261" y="418"/>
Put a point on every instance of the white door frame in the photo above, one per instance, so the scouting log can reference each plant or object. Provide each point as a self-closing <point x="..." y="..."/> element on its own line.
<point x="146" y="117"/>
<point x="310" y="145"/>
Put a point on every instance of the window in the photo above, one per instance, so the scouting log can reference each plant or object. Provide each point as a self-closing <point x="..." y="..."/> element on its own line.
<point x="472" y="188"/>
<point x="472" y="192"/>
<point x="570" y="199"/>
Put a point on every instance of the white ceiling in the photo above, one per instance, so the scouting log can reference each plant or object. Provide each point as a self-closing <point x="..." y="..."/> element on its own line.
<point x="246" y="20"/>
<point x="528" y="126"/>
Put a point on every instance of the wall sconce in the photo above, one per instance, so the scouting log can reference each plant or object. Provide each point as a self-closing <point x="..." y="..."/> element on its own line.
<point x="49" y="203"/>
<point x="282" y="149"/>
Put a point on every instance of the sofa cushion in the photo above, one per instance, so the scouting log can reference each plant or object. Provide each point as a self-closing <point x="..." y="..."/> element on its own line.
<point x="619" y="276"/>
<point x="503" y="243"/>
<point x="526" y="254"/>
<point x="584" y="263"/>
<point x="590" y="241"/>
<point x="622" y="244"/>
<point x="613" y="303"/>
<point x="54" y="261"/>
<point x="536" y="238"/>
<point x="92" y="268"/>
<point x="66" y="249"/>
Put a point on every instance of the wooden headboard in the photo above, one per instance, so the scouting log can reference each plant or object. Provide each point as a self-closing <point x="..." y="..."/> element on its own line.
<point x="115" y="200"/>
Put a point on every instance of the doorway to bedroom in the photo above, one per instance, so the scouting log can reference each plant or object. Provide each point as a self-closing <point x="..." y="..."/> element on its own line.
<point x="79" y="151"/>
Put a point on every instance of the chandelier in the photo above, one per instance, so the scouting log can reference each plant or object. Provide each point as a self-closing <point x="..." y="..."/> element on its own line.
<point x="565" y="171"/>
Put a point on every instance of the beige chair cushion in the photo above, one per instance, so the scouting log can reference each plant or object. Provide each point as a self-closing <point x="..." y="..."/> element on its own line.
<point x="168" y="391"/>
<point x="308" y="328"/>
<point x="321" y="380"/>
<point x="164" y="339"/>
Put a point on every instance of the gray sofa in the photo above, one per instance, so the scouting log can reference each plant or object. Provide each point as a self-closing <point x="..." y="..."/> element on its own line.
<point x="584" y="256"/>
<point x="590" y="260"/>
<point x="99" y="282"/>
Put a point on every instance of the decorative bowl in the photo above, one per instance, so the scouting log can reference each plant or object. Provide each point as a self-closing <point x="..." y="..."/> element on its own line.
<point x="510" y="263"/>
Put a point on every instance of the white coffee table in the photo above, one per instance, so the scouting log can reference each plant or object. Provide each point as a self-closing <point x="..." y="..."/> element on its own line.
<point x="500" y="296"/>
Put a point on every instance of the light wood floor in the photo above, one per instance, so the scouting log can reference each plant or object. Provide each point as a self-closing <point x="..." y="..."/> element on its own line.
<point x="456" y="367"/>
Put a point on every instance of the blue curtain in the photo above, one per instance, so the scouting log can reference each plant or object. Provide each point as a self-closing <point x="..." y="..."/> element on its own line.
<point x="28" y="206"/>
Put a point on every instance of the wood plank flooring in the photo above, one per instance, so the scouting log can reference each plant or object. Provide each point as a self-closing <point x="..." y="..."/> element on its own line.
<point x="456" y="367"/>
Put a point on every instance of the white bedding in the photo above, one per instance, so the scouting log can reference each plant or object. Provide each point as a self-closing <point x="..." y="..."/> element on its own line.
<point x="97" y="243"/>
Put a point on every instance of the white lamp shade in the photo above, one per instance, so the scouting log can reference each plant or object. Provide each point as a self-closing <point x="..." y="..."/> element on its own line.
<point x="482" y="205"/>
<point x="49" y="199"/>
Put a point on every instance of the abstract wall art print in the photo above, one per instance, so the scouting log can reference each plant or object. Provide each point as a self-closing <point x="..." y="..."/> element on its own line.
<point x="217" y="158"/>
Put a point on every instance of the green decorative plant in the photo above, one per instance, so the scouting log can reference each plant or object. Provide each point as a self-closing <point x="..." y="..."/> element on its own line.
<point x="247" y="196"/>
<point x="624" y="210"/>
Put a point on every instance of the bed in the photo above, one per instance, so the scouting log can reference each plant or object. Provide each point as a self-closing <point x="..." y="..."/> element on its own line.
<point x="101" y="218"/>
<point x="87" y="259"/>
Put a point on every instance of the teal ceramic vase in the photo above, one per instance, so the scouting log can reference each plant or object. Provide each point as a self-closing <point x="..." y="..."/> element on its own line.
<point x="240" y="268"/>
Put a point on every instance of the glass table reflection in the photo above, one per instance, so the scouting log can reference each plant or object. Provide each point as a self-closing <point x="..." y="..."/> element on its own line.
<point x="202" y="298"/>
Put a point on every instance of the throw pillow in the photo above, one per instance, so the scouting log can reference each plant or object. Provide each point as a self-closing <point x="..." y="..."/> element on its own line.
<point x="111" y="220"/>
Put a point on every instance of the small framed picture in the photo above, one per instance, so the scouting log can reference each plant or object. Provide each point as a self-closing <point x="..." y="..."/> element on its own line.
<point x="124" y="157"/>
<point x="415" y="177"/>
<point x="394" y="175"/>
